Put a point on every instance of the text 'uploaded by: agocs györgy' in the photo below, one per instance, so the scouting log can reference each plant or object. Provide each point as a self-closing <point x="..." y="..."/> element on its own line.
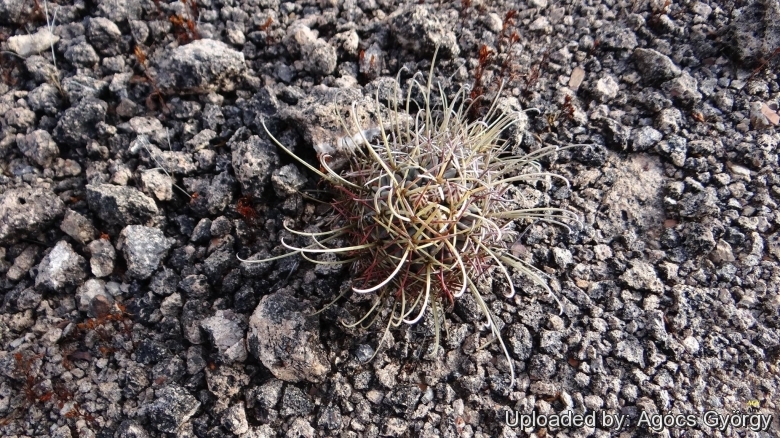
<point x="656" y="422"/>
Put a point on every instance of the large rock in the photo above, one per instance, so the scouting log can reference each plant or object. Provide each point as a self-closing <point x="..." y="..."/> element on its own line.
<point x="284" y="336"/>
<point x="203" y="65"/>
<point x="25" y="212"/>
<point x="143" y="248"/>
<point x="119" y="205"/>
<point x="61" y="269"/>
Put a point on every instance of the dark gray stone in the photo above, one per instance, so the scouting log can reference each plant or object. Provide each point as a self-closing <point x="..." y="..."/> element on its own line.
<point x="192" y="313"/>
<point x="39" y="147"/>
<point x="20" y="118"/>
<point x="195" y="286"/>
<point x="104" y="35"/>
<point x="295" y="402"/>
<point x="330" y="418"/>
<point x="173" y="406"/>
<point x="675" y="148"/>
<point x="213" y="195"/>
<point x="164" y="282"/>
<point x="15" y="12"/>
<point x="23" y="263"/>
<point x="226" y="381"/>
<point x="318" y="56"/>
<point x="80" y="87"/>
<point x="202" y="232"/>
<point x="269" y="393"/>
<point x="284" y="336"/>
<point x="130" y="429"/>
<point x="234" y="419"/>
<point x="616" y="135"/>
<point x="541" y="367"/>
<point x="754" y="33"/>
<point x="256" y="270"/>
<point x="644" y="138"/>
<point x="221" y="226"/>
<point x="120" y="10"/>
<point x="218" y="264"/>
<point x="78" y="124"/>
<point x="118" y="205"/>
<point x="683" y="90"/>
<point x="82" y="54"/>
<point x="93" y="299"/>
<point x="655" y="67"/>
<point x="42" y="70"/>
<point x="630" y="350"/>
<point x="287" y="180"/>
<point x="617" y="38"/>
<point x="46" y="98"/>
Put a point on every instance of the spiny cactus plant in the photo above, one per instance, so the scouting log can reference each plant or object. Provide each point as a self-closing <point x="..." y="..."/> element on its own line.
<point x="422" y="205"/>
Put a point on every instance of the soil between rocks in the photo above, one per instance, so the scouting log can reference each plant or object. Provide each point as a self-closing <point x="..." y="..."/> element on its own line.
<point x="135" y="170"/>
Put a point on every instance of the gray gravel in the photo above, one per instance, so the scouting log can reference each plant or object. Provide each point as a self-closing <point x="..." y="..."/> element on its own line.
<point x="136" y="171"/>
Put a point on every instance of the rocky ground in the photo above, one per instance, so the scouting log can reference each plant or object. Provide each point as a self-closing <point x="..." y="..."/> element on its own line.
<point x="135" y="172"/>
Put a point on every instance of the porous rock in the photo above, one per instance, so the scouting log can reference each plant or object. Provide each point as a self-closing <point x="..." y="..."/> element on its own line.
<point x="14" y="11"/>
<point x="104" y="35"/>
<point x="318" y="56"/>
<point x="205" y="65"/>
<point x="254" y="160"/>
<point x="754" y="33"/>
<point x="26" y="211"/>
<point x="78" y="124"/>
<point x="93" y="298"/>
<point x="287" y="180"/>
